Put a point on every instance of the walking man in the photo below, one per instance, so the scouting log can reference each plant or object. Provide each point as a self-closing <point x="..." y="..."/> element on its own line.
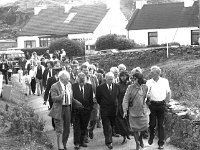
<point x="159" y="94"/>
<point x="107" y="95"/>
<point x="84" y="94"/>
<point x="61" y="93"/>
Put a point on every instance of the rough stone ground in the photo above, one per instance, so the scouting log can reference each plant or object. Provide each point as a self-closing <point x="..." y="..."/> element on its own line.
<point x="95" y="144"/>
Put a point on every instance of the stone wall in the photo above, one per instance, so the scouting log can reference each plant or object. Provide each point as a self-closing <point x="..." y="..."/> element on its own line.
<point x="182" y="126"/>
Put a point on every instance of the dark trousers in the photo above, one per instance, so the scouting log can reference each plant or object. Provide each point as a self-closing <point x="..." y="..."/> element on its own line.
<point x="107" y="122"/>
<point x="33" y="85"/>
<point x="81" y="120"/>
<point x="157" y="116"/>
<point x="5" y="74"/>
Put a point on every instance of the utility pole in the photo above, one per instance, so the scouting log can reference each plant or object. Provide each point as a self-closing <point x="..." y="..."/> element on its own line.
<point x="199" y="20"/>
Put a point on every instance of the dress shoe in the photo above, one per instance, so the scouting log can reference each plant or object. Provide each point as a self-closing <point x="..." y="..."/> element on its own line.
<point x="110" y="146"/>
<point x="76" y="147"/>
<point x="65" y="148"/>
<point x="83" y="145"/>
<point x="91" y="135"/>
<point x="161" y="147"/>
<point x="115" y="135"/>
<point x="124" y="140"/>
<point x="150" y="141"/>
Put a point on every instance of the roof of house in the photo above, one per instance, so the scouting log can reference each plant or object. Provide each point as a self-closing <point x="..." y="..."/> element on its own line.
<point x="162" y="16"/>
<point x="50" y="21"/>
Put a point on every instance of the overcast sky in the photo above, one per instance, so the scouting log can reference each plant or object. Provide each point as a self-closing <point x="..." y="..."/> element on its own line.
<point x="6" y="1"/>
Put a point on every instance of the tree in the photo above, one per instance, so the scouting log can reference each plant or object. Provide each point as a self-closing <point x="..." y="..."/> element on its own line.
<point x="71" y="47"/>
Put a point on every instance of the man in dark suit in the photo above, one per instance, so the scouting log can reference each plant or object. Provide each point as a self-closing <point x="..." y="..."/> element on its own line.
<point x="4" y="69"/>
<point x="48" y="72"/>
<point x="62" y="96"/>
<point x="107" y="95"/>
<point x="74" y="73"/>
<point x="83" y="93"/>
<point x="47" y="94"/>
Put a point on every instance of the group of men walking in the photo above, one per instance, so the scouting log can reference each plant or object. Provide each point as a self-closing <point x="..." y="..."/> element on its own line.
<point x="86" y="95"/>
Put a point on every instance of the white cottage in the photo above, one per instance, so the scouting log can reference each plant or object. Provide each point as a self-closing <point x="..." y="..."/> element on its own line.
<point x="165" y="23"/>
<point x="84" y="23"/>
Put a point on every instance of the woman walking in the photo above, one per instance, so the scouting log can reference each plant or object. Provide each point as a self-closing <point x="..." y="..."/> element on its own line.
<point x="135" y="101"/>
<point x="122" y="124"/>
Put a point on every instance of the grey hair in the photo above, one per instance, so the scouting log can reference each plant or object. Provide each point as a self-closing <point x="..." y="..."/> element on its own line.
<point x="64" y="74"/>
<point x="156" y="69"/>
<point x="114" y="69"/>
<point x="109" y="74"/>
<point x="122" y="66"/>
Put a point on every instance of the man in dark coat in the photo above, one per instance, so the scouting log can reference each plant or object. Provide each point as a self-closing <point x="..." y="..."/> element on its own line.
<point x="84" y="94"/>
<point x="4" y="69"/>
<point x="47" y="94"/>
<point x="48" y="72"/>
<point x="107" y="97"/>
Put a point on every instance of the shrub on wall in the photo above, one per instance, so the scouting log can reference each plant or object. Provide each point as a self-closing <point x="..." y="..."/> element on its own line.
<point x="113" y="41"/>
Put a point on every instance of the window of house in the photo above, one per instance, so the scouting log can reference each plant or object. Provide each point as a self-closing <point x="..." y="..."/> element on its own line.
<point x="30" y="44"/>
<point x="152" y="38"/>
<point x="70" y="17"/>
<point x="195" y="37"/>
<point x="45" y="42"/>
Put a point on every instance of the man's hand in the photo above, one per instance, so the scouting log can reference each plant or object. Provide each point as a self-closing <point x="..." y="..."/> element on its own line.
<point x="125" y="115"/>
<point x="45" y="102"/>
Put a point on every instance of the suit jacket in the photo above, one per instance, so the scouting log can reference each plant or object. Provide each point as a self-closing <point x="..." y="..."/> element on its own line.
<point x="56" y="110"/>
<point x="108" y="101"/>
<point x="44" y="76"/>
<point x="6" y="67"/>
<point x="72" y="78"/>
<point x="87" y="100"/>
<point x="47" y="93"/>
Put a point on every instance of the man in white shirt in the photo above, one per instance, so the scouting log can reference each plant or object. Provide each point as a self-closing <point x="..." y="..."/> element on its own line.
<point x="61" y="94"/>
<point x="159" y="94"/>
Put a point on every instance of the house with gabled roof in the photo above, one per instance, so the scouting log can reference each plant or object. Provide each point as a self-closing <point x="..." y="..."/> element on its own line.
<point x="155" y="24"/>
<point x="81" y="22"/>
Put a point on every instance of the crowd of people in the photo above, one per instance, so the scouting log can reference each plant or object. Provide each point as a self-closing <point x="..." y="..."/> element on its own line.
<point x="124" y="103"/>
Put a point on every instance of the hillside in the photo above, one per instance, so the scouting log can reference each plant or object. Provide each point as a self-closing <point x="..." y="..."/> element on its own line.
<point x="13" y="16"/>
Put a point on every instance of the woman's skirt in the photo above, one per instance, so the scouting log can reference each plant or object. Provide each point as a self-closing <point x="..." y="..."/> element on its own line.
<point x="139" y="123"/>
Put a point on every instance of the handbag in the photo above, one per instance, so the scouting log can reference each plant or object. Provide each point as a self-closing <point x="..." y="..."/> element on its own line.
<point x="131" y="101"/>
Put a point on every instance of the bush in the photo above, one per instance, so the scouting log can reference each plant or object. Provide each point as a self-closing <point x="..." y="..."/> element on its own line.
<point x="113" y="41"/>
<point x="24" y="124"/>
<point x="71" y="47"/>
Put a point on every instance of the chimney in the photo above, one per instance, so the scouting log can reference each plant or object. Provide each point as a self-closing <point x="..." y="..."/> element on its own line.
<point x="139" y="4"/>
<point x="68" y="6"/>
<point x="38" y="8"/>
<point x="188" y="3"/>
<point x="113" y="4"/>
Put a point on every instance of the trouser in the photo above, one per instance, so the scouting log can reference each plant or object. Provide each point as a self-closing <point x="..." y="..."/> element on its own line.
<point x="81" y="120"/>
<point x="94" y="117"/>
<point x="27" y="88"/>
<point x="63" y="126"/>
<point x="50" y="106"/>
<point x="107" y="121"/>
<point x="39" y="86"/>
<point x="5" y="74"/>
<point x="33" y="85"/>
<point x="157" y="116"/>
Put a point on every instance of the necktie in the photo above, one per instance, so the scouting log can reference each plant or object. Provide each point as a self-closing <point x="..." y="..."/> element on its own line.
<point x="66" y="100"/>
<point x="49" y="73"/>
<point x="82" y="91"/>
<point x="110" y="89"/>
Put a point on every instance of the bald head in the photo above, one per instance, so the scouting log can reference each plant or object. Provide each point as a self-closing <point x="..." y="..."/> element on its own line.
<point x="64" y="77"/>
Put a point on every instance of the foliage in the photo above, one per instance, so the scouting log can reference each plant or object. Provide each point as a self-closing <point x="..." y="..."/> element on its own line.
<point x="25" y="124"/>
<point x="72" y="48"/>
<point x="113" y="41"/>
